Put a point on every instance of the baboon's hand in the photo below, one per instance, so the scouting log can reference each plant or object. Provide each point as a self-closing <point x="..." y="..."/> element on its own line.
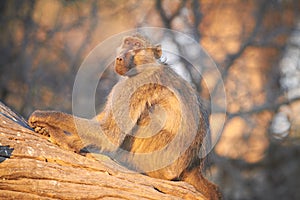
<point x="57" y="128"/>
<point x="37" y="121"/>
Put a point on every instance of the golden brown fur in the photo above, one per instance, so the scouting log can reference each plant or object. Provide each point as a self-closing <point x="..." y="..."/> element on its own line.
<point x="154" y="120"/>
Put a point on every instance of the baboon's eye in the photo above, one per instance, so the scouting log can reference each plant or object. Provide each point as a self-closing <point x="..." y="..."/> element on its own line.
<point x="137" y="44"/>
<point x="127" y="42"/>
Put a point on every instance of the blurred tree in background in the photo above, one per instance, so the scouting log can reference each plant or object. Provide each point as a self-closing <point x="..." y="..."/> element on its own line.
<point x="256" y="45"/>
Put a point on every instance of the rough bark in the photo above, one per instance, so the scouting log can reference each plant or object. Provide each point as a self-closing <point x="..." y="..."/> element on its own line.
<point x="33" y="168"/>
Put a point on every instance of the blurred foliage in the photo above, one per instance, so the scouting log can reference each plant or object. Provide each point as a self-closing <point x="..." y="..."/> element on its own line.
<point x="43" y="43"/>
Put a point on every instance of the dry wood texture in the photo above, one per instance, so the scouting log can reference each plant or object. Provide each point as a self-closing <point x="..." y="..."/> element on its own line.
<point x="33" y="168"/>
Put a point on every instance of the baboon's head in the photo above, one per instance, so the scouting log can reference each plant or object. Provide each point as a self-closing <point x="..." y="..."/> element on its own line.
<point x="135" y="50"/>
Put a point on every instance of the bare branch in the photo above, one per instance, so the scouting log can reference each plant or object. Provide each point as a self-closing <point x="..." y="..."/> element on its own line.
<point x="94" y="21"/>
<point x="167" y="20"/>
<point x="231" y="58"/>
<point x="197" y="19"/>
<point x="267" y="106"/>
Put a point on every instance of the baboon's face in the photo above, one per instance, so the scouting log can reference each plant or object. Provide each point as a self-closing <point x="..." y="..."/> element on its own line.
<point x="135" y="51"/>
<point x="130" y="46"/>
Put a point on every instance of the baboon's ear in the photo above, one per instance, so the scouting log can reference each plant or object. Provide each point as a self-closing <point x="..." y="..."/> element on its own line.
<point x="157" y="51"/>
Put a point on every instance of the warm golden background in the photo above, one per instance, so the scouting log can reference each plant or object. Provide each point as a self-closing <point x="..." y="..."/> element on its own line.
<point x="256" y="45"/>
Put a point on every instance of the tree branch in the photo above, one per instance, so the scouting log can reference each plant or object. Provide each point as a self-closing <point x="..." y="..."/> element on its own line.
<point x="267" y="106"/>
<point x="33" y="168"/>
<point x="167" y="20"/>
<point x="231" y="58"/>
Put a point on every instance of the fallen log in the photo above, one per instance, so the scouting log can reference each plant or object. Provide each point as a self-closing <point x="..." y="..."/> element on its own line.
<point x="33" y="168"/>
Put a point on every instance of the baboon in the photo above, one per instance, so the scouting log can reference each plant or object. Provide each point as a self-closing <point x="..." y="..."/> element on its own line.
<point x="153" y="121"/>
